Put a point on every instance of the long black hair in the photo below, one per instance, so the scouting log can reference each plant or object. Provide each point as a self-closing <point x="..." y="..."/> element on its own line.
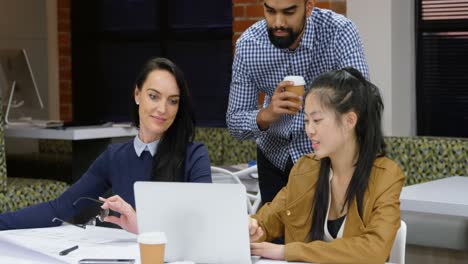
<point x="344" y="91"/>
<point x="168" y="162"/>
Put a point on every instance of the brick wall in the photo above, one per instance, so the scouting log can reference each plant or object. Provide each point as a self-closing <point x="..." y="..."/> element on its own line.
<point x="65" y="71"/>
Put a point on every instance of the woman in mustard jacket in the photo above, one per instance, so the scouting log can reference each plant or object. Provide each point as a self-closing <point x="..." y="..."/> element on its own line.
<point x="342" y="203"/>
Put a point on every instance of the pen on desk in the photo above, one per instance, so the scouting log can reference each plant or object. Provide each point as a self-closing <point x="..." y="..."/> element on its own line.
<point x="68" y="250"/>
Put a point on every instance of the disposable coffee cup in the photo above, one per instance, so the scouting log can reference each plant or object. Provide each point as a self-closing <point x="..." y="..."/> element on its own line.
<point x="297" y="88"/>
<point x="152" y="246"/>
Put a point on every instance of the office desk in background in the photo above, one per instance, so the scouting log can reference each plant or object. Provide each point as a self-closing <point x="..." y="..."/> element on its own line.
<point x="436" y="213"/>
<point x="87" y="142"/>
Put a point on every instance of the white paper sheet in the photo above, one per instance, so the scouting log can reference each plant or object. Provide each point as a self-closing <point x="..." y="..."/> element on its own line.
<point x="93" y="242"/>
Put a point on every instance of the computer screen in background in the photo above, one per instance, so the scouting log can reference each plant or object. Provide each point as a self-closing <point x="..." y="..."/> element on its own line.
<point x="21" y="100"/>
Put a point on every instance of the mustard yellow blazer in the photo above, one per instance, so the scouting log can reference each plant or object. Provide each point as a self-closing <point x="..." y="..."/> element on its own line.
<point x="365" y="240"/>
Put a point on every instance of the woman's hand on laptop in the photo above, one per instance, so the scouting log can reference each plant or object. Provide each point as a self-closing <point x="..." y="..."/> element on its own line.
<point x="267" y="250"/>
<point x="255" y="231"/>
<point x="127" y="219"/>
<point x="264" y="249"/>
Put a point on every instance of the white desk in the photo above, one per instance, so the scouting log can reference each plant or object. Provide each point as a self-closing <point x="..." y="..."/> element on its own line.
<point x="72" y="133"/>
<point x="448" y="196"/>
<point x="87" y="142"/>
<point x="436" y="213"/>
<point x="42" y="245"/>
<point x="27" y="245"/>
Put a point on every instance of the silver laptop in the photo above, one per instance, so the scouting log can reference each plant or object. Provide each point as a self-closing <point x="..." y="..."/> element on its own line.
<point x="204" y="223"/>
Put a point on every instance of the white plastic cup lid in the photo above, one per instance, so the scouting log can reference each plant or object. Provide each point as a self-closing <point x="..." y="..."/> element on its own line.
<point x="152" y="238"/>
<point x="297" y="80"/>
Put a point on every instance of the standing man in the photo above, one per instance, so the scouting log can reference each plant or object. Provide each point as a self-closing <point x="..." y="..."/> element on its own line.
<point x="295" y="38"/>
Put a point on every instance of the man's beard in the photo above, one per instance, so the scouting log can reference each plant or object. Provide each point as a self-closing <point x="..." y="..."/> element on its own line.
<point x="286" y="41"/>
<point x="282" y="42"/>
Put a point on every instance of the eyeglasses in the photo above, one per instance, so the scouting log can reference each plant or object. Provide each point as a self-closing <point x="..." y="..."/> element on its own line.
<point x="103" y="213"/>
<point x="56" y="219"/>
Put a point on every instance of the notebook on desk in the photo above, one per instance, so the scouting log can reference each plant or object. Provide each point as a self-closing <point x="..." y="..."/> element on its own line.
<point x="46" y="123"/>
<point x="204" y="223"/>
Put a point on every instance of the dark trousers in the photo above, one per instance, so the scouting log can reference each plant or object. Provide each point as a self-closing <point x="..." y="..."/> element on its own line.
<point x="270" y="178"/>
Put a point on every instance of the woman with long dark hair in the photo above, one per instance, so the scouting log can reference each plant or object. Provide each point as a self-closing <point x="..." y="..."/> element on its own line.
<point x="341" y="203"/>
<point x="163" y="150"/>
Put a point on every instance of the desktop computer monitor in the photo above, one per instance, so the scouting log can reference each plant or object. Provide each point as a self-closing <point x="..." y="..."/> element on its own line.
<point x="18" y="90"/>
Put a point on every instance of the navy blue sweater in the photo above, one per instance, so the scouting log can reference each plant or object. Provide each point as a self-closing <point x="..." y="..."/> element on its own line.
<point x="118" y="168"/>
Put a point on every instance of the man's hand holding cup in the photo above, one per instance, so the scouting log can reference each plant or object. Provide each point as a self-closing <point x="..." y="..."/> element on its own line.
<point x="287" y="99"/>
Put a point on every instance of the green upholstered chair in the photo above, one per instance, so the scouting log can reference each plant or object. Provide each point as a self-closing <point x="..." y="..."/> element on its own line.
<point x="224" y="149"/>
<point x="212" y="138"/>
<point x="421" y="158"/>
<point x="16" y="193"/>
<point x="239" y="151"/>
<point x="429" y="158"/>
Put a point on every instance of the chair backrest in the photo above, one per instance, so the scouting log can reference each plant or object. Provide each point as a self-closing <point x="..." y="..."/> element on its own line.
<point x="223" y="148"/>
<point x="429" y="158"/>
<point x="220" y="175"/>
<point x="397" y="255"/>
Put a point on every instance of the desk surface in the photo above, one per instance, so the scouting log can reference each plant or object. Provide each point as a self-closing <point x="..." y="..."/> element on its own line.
<point x="448" y="196"/>
<point x="41" y="245"/>
<point x="71" y="133"/>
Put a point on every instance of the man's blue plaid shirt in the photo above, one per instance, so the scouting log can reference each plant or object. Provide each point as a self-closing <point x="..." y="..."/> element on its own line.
<point x="330" y="42"/>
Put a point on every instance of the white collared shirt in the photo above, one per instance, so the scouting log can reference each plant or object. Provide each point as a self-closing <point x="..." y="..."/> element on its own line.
<point x="140" y="146"/>
<point x="326" y="235"/>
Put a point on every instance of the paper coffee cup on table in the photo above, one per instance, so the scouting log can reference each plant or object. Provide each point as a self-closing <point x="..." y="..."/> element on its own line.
<point x="297" y="87"/>
<point x="152" y="245"/>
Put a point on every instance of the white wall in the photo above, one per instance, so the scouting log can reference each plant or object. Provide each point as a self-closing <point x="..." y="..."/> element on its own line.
<point x="403" y="68"/>
<point x="387" y="30"/>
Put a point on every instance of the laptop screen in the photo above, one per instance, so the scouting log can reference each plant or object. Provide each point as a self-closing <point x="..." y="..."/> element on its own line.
<point x="204" y="223"/>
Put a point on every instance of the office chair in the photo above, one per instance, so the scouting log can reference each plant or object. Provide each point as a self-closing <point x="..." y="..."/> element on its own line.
<point x="220" y="175"/>
<point x="397" y="255"/>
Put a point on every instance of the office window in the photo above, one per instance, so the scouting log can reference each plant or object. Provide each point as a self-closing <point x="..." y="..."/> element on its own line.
<point x="111" y="39"/>
<point x="442" y="67"/>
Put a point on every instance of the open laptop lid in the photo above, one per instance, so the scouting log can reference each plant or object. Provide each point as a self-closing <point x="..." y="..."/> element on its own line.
<point x="204" y="223"/>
